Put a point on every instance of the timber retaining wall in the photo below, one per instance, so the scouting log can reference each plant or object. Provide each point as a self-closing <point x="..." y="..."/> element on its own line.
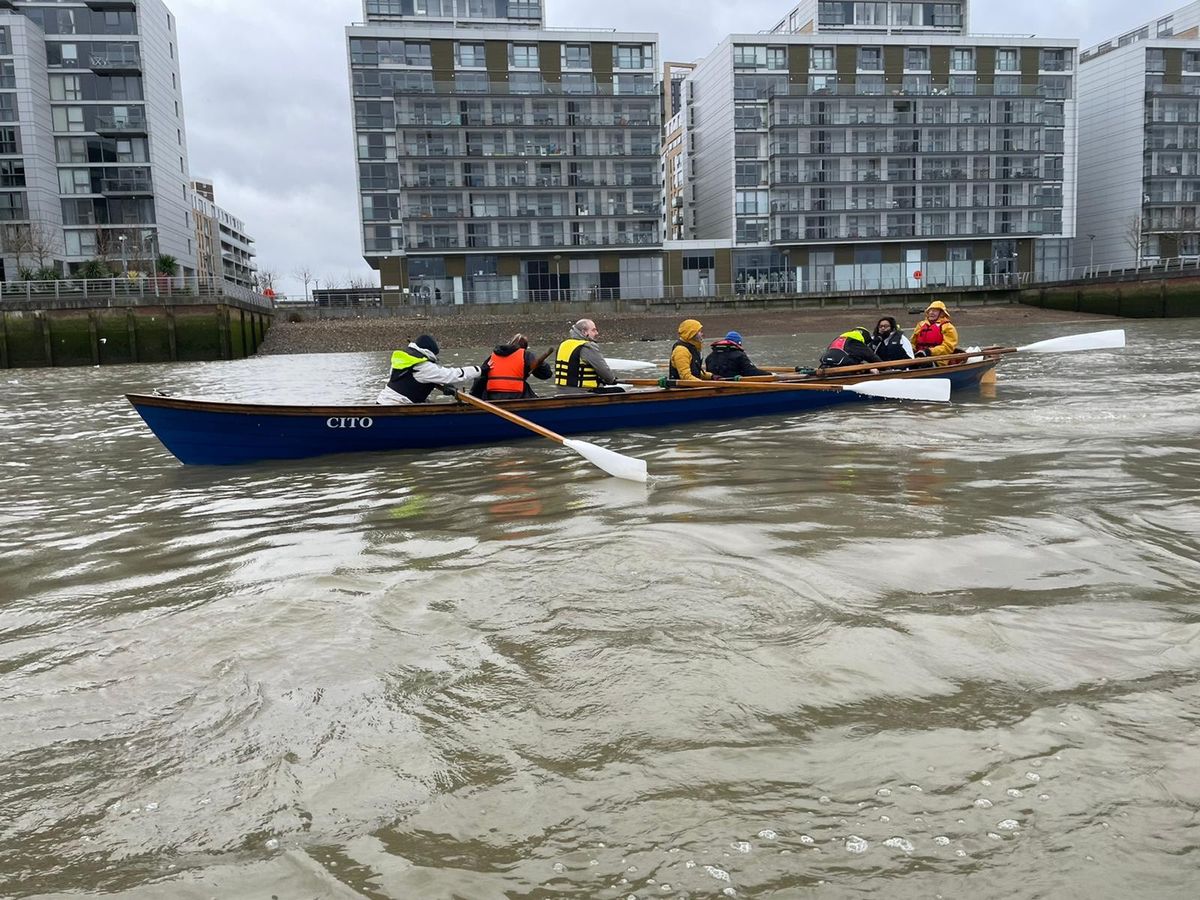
<point x="72" y="334"/>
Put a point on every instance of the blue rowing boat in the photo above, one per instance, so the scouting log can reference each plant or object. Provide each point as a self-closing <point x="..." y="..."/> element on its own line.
<point x="207" y="433"/>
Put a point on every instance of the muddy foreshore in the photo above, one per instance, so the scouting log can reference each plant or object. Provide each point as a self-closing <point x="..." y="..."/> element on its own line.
<point x="374" y="334"/>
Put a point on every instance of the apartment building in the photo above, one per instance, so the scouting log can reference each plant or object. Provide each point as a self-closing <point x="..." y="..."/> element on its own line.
<point x="499" y="160"/>
<point x="224" y="249"/>
<point x="879" y="144"/>
<point x="1139" y="155"/>
<point x="93" y="155"/>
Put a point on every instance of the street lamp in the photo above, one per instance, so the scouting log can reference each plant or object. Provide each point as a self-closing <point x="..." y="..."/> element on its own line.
<point x="557" y="277"/>
<point x="1091" y="254"/>
<point x="124" y="259"/>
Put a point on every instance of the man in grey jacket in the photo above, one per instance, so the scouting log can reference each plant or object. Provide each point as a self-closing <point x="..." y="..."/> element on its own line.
<point x="580" y="367"/>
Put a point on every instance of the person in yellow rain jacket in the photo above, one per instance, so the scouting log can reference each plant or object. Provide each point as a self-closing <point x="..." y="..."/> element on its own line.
<point x="687" y="354"/>
<point x="935" y="335"/>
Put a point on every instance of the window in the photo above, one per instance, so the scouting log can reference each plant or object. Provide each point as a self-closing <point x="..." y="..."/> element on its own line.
<point x="1156" y="60"/>
<point x="1008" y="60"/>
<point x="777" y="58"/>
<point x="947" y="15"/>
<point x="65" y="87"/>
<point x="8" y="76"/>
<point x="962" y="60"/>
<point x="751" y="174"/>
<point x="869" y="85"/>
<point x="8" y="107"/>
<point x="822" y="60"/>
<point x="471" y="82"/>
<point x="5" y="41"/>
<point x="577" y="83"/>
<point x="916" y="59"/>
<point x="908" y="14"/>
<point x="962" y="84"/>
<point x="525" y="83"/>
<point x="1008" y="85"/>
<point x="870" y="13"/>
<point x="747" y="145"/>
<point x="12" y="207"/>
<point x="68" y="118"/>
<point x="417" y="54"/>
<point x="470" y="55"/>
<point x="74" y="181"/>
<point x="751" y="203"/>
<point x="1055" y="87"/>
<point x="523" y="56"/>
<point x="870" y="59"/>
<point x="627" y="57"/>
<point x="577" y="56"/>
<point x="1056" y="61"/>
<point x="12" y="173"/>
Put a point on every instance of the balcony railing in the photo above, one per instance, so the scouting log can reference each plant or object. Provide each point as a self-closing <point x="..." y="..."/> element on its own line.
<point x="121" y="124"/>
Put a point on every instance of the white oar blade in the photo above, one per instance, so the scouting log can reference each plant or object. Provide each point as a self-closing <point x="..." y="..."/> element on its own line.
<point x="929" y="390"/>
<point x="614" y="464"/>
<point x="630" y="365"/>
<point x="1098" y="340"/>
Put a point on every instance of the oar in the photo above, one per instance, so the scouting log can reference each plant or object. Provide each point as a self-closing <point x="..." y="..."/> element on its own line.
<point x="613" y="463"/>
<point x="932" y="390"/>
<point x="1073" y="343"/>
<point x="628" y="365"/>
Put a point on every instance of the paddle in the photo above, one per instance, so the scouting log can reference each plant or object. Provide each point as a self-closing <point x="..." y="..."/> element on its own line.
<point x="611" y="462"/>
<point x="932" y="390"/>
<point x="627" y="365"/>
<point x="1074" y="343"/>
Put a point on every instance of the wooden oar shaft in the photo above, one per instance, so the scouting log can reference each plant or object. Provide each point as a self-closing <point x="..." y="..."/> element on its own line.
<point x="512" y="417"/>
<point x="738" y="385"/>
<point x="922" y="363"/>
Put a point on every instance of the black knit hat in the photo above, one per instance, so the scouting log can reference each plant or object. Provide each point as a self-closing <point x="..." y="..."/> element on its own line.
<point x="425" y="342"/>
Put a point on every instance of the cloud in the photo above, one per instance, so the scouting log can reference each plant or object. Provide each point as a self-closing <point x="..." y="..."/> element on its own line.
<point x="266" y="95"/>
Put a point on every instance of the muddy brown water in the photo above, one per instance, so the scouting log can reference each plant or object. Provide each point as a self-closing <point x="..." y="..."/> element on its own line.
<point x="883" y="650"/>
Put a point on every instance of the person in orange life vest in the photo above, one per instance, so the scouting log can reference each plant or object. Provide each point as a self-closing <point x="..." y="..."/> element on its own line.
<point x="850" y="348"/>
<point x="687" y="360"/>
<point x="936" y="334"/>
<point x="505" y="374"/>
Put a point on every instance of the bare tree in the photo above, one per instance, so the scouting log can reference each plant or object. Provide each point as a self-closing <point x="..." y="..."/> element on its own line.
<point x="359" y="282"/>
<point x="14" y="241"/>
<point x="332" y="282"/>
<point x="305" y="274"/>
<point x="1135" y="237"/>
<point x="44" y="243"/>
<point x="264" y="280"/>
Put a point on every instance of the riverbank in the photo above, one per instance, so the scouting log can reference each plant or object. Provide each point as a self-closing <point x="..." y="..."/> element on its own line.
<point x="361" y="335"/>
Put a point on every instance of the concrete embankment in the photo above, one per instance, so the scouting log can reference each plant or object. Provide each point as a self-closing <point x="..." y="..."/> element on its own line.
<point x="1134" y="297"/>
<point x="345" y="335"/>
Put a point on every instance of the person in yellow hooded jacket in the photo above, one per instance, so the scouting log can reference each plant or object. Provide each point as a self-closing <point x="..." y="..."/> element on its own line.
<point x="935" y="335"/>
<point x="687" y="354"/>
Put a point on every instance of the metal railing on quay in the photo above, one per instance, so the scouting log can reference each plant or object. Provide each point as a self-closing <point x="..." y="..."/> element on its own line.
<point x="118" y="289"/>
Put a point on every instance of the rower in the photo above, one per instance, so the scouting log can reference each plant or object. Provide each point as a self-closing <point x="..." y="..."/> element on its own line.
<point x="728" y="359"/>
<point x="849" y="349"/>
<point x="935" y="335"/>
<point x="888" y="342"/>
<point x="580" y="366"/>
<point x="687" y="361"/>
<point x="415" y="373"/>
<point x="506" y="372"/>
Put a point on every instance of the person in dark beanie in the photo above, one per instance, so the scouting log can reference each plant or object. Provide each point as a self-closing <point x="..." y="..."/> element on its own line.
<point x="415" y="373"/>
<point x="727" y="359"/>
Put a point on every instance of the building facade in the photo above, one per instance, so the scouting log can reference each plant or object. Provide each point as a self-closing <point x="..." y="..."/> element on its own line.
<point x="1139" y="157"/>
<point x="868" y="145"/>
<point x="501" y="161"/>
<point x="93" y="154"/>
<point x="224" y="249"/>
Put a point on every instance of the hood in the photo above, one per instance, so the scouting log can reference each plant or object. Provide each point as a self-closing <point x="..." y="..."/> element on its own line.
<point x="725" y="345"/>
<point x="506" y="350"/>
<point x="938" y="304"/>
<point x="576" y="336"/>
<point x="688" y="329"/>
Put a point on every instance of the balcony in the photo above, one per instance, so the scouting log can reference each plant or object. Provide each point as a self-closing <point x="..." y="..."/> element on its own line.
<point x="126" y="186"/>
<point x="120" y="125"/>
<point x="112" y="63"/>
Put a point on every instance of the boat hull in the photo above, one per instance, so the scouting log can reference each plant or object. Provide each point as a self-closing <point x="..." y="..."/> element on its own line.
<point x="206" y="433"/>
<point x="965" y="377"/>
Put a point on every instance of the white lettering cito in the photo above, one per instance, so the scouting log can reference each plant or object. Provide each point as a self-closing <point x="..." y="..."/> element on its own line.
<point x="349" y="422"/>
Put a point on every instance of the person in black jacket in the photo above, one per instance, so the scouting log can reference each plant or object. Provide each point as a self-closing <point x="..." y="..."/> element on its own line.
<point x="888" y="342"/>
<point x="503" y="377"/>
<point x="728" y="359"/>
<point x="849" y="349"/>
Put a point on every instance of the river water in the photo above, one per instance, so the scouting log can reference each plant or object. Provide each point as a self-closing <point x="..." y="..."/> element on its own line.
<point x="881" y="650"/>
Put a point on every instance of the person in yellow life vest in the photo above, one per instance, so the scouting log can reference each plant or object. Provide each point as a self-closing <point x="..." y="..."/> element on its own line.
<point x="687" y="354"/>
<point x="415" y="373"/>
<point x="580" y="367"/>
<point x="936" y="334"/>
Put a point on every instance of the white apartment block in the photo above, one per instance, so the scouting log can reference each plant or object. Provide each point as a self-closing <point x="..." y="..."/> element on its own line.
<point x="1139" y="156"/>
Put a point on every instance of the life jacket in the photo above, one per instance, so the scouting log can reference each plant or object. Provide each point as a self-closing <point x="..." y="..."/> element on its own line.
<point x="570" y="368"/>
<point x="839" y="343"/>
<point x="929" y="335"/>
<point x="506" y="374"/>
<point x="404" y="381"/>
<point x="697" y="363"/>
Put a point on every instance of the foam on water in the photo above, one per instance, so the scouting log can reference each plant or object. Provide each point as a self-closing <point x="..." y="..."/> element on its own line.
<point x="855" y="844"/>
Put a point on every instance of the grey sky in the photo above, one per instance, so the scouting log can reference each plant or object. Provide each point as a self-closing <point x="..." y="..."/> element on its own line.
<point x="268" y="112"/>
